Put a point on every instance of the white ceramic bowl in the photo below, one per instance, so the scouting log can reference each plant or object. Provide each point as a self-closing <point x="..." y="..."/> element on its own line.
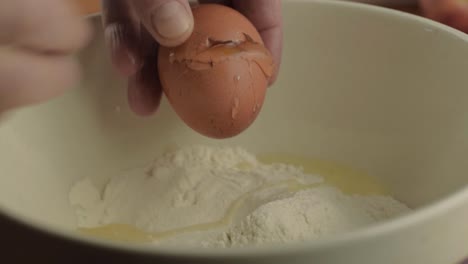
<point x="365" y="86"/>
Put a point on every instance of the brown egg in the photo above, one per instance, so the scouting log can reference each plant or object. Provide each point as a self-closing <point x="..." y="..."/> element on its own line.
<point x="216" y="81"/>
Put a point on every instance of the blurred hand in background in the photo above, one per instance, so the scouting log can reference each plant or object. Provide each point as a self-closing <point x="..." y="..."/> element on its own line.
<point x="37" y="41"/>
<point x="451" y="12"/>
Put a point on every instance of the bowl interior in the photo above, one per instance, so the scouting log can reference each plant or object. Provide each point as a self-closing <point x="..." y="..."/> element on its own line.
<point x="373" y="89"/>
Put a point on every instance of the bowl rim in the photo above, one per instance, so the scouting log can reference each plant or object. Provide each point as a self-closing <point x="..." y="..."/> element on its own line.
<point x="419" y="216"/>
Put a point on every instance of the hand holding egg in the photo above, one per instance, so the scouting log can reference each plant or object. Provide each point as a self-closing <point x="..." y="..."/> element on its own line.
<point x="134" y="30"/>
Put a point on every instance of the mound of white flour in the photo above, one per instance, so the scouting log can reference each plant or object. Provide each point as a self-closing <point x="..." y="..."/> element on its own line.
<point x="224" y="197"/>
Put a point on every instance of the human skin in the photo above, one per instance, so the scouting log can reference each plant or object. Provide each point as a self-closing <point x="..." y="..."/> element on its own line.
<point x="135" y="29"/>
<point x="38" y="39"/>
<point x="451" y="12"/>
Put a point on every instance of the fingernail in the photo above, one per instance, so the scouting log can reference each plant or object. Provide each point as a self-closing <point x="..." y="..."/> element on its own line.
<point x="115" y="36"/>
<point x="171" y="20"/>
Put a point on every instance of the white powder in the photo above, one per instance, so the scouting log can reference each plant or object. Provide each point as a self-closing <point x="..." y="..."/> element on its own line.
<point x="309" y="214"/>
<point x="224" y="197"/>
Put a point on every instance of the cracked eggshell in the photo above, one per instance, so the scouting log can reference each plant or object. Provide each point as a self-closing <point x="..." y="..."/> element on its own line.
<point x="216" y="81"/>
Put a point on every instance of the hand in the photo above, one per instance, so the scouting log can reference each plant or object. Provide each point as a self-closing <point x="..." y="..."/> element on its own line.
<point x="451" y="12"/>
<point x="37" y="39"/>
<point x="134" y="29"/>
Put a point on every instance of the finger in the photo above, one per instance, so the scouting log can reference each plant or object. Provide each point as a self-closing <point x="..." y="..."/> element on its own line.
<point x="451" y="12"/>
<point x="47" y="25"/>
<point x="29" y="78"/>
<point x="170" y="22"/>
<point x="121" y="30"/>
<point x="219" y="2"/>
<point x="434" y="9"/>
<point x="144" y="88"/>
<point x="144" y="96"/>
<point x="266" y="16"/>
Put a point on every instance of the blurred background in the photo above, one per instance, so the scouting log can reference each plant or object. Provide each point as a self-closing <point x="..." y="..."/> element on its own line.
<point x="450" y="12"/>
<point x="92" y="6"/>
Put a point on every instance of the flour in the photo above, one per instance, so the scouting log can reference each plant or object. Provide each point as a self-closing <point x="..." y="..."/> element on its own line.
<point x="309" y="214"/>
<point x="224" y="197"/>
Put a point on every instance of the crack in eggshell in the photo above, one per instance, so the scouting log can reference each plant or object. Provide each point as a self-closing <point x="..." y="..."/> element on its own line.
<point x="216" y="81"/>
<point x="219" y="51"/>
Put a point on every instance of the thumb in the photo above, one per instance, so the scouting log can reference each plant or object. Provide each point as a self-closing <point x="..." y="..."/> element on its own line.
<point x="170" y="22"/>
